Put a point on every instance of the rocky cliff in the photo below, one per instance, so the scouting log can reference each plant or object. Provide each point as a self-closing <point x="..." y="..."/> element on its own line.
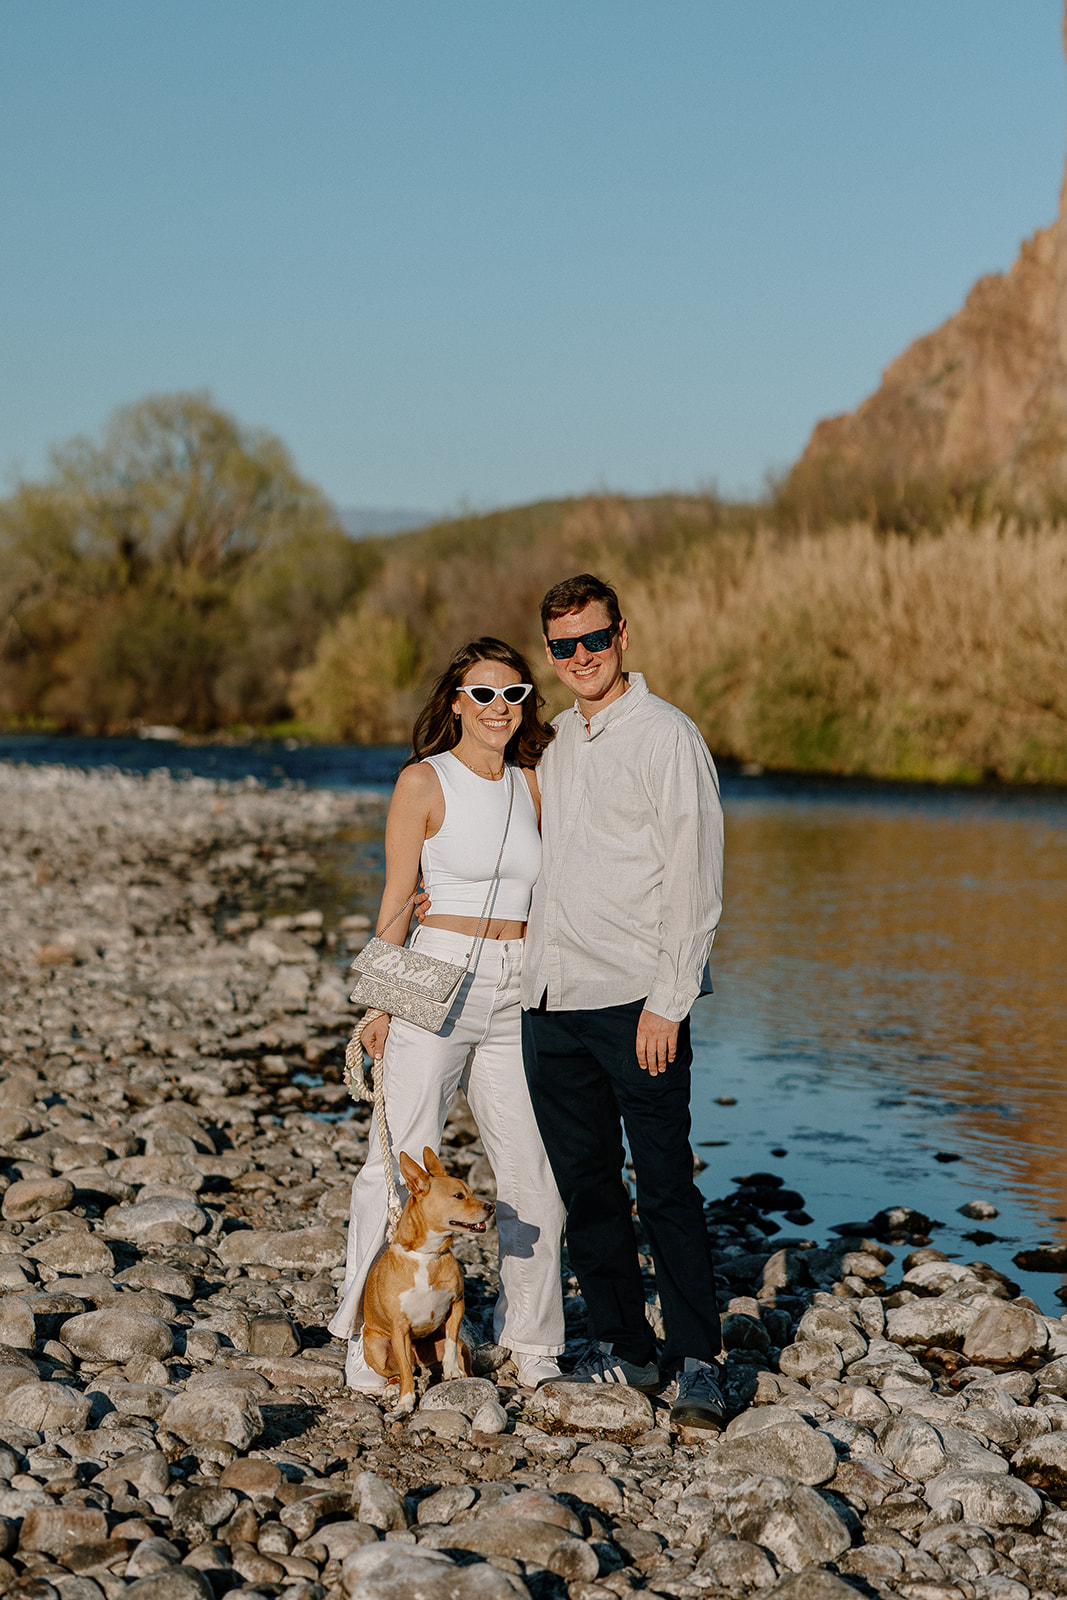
<point x="979" y="404"/>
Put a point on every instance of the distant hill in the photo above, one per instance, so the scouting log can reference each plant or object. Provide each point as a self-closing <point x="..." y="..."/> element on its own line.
<point x="370" y="522"/>
<point x="977" y="408"/>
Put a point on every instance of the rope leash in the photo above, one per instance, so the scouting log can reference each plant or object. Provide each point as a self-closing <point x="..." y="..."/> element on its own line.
<point x="359" y="1089"/>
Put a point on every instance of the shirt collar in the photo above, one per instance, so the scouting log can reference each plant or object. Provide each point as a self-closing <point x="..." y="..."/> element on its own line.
<point x="617" y="710"/>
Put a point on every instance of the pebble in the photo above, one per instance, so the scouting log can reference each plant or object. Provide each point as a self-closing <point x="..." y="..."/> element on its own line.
<point x="173" y="1418"/>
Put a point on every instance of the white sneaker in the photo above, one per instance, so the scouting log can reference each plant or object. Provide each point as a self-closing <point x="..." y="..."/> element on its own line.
<point x="358" y="1375"/>
<point x="535" y="1370"/>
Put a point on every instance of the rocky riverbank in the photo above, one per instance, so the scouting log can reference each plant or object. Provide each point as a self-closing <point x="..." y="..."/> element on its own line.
<point x="175" y="1155"/>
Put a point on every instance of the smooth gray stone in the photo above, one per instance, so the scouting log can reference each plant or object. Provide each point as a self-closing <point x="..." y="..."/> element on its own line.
<point x="992" y="1500"/>
<point x="216" y="1413"/>
<point x="46" y="1407"/>
<point x="790" y="1520"/>
<point x="115" y="1334"/>
<point x="378" y="1503"/>
<point x="1005" y="1333"/>
<point x="784" y="1446"/>
<point x="737" y="1564"/>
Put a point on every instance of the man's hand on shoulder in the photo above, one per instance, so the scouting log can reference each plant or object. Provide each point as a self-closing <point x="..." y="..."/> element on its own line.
<point x="657" y="1042"/>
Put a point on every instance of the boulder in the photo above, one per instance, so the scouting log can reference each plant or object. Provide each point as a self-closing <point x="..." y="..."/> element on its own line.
<point x="466" y="1395"/>
<point x="1043" y="1463"/>
<point x="992" y="1500"/>
<point x="377" y="1502"/>
<point x="1005" y="1334"/>
<point x="790" y="1520"/>
<point x="215" y="1413"/>
<point x="30" y="1198"/>
<point x="932" y="1322"/>
<point x="55" y="1529"/>
<point x="46" y="1408"/>
<point x="774" y="1442"/>
<point x="155" y="1220"/>
<point x="309" y="1249"/>
<point x="592" y="1406"/>
<point x="116" y="1334"/>
<point x="75" y="1252"/>
<point x="539" y="1544"/>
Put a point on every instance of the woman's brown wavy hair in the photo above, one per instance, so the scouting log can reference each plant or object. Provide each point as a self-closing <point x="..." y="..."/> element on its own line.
<point x="437" y="730"/>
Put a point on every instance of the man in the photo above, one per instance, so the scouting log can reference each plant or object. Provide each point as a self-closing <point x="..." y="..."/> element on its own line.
<point x="620" y="929"/>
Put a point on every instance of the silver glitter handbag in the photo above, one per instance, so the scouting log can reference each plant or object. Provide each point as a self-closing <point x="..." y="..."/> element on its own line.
<point x="404" y="982"/>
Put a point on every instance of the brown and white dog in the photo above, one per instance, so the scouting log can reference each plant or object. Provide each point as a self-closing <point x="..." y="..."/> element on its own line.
<point x="413" y="1301"/>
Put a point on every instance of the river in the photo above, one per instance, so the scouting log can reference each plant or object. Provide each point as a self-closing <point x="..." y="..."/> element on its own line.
<point x="890" y="1012"/>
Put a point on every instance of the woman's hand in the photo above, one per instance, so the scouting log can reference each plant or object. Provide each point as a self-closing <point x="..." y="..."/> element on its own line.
<point x="374" y="1036"/>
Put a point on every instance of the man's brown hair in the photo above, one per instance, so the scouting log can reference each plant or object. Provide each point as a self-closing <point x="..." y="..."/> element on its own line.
<point x="574" y="594"/>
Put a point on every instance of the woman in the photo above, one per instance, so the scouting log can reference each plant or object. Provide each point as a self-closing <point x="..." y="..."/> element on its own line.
<point x="476" y="743"/>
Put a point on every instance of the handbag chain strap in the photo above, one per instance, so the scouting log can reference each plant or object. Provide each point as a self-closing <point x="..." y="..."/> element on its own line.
<point x="492" y="881"/>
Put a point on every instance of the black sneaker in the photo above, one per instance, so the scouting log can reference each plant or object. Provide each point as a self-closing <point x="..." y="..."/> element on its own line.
<point x="597" y="1364"/>
<point x="700" y="1402"/>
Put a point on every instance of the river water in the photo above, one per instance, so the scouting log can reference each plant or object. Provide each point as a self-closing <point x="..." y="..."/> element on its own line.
<point x="890" y="1013"/>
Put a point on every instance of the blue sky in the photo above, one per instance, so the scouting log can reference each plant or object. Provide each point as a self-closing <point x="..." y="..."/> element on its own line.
<point x="483" y="251"/>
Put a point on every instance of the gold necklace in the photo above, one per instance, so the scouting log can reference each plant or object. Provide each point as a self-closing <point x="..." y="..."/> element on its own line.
<point x="489" y="777"/>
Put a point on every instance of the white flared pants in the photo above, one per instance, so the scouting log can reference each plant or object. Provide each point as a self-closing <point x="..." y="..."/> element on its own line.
<point x="480" y="1050"/>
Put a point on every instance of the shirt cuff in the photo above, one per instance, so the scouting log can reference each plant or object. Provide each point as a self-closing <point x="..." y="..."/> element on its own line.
<point x="668" y="1003"/>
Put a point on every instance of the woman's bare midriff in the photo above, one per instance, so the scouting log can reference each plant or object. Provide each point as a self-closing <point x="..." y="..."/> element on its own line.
<point x="496" y="928"/>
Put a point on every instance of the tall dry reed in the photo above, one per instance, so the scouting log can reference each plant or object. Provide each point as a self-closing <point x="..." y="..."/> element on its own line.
<point x="937" y="657"/>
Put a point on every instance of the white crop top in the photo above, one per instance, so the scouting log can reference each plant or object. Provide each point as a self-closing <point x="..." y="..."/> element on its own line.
<point x="458" y="862"/>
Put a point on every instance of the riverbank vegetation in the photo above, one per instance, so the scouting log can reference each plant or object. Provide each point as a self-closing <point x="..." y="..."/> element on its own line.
<point x="181" y="572"/>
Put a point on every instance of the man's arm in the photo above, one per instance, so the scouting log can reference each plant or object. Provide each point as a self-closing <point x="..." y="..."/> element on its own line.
<point x="689" y="814"/>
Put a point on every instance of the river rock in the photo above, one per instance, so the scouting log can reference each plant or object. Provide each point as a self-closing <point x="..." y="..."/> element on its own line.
<point x="117" y="1334"/>
<point x="18" y="1327"/>
<point x="535" y="1505"/>
<point x="1006" y="1334"/>
<point x="174" y="1282"/>
<point x="79" y="1253"/>
<point x="156" y="1220"/>
<point x="1043" y="1463"/>
<point x="16" y="1368"/>
<point x="272" y="1334"/>
<point x="736" y="1564"/>
<point x="465" y="1395"/>
<point x="541" y="1544"/>
<point x="812" y="1585"/>
<point x="826" y="1322"/>
<point x="54" y="1529"/>
<point x="774" y="1442"/>
<point x="377" y="1503"/>
<point x="790" y="1520"/>
<point x="913" y="1447"/>
<point x="252" y="1477"/>
<point x="198" y="1510"/>
<point x="931" y="1322"/>
<point x="30" y="1198"/>
<point x="811" y="1359"/>
<point x="171" y="1583"/>
<point x="309" y="1249"/>
<point x="46" y="1407"/>
<point x="216" y="1413"/>
<point x="416" y="1573"/>
<point x="990" y="1499"/>
<point x="100" y="1187"/>
<point x="592" y="1405"/>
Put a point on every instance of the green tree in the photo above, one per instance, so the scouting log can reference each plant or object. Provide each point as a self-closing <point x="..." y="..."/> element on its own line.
<point x="179" y="571"/>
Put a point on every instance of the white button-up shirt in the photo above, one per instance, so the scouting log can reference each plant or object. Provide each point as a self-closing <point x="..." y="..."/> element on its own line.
<point x="630" y="891"/>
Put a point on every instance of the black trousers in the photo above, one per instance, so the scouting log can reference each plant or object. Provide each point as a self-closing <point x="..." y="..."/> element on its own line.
<point x="586" y="1085"/>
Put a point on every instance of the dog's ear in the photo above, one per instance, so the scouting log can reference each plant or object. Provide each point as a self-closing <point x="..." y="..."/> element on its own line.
<point x="413" y="1175"/>
<point x="432" y="1164"/>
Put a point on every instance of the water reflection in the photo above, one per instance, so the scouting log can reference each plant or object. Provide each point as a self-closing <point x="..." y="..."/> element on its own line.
<point x="891" y="984"/>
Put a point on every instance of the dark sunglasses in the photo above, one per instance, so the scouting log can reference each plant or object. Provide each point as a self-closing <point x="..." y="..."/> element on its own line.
<point x="483" y="694"/>
<point x="599" y="639"/>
